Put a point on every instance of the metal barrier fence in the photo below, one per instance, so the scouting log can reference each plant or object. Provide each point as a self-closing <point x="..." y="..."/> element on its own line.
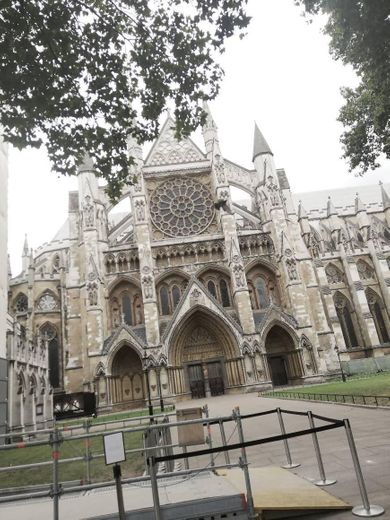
<point x="372" y="400"/>
<point x="161" y="451"/>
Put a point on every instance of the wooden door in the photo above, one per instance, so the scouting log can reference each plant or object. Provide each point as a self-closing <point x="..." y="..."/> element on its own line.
<point x="278" y="370"/>
<point x="196" y="380"/>
<point x="215" y="378"/>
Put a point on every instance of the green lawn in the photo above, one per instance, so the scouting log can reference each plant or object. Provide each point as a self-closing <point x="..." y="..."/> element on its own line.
<point x="378" y="385"/>
<point x="134" y="464"/>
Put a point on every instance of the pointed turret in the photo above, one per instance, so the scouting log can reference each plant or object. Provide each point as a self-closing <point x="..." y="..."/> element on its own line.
<point x="330" y="209"/>
<point x="135" y="150"/>
<point x="359" y="205"/>
<point x="303" y="219"/>
<point x="386" y="203"/>
<point x="361" y="213"/>
<point x="25" y="255"/>
<point x="210" y="134"/>
<point x="86" y="164"/>
<point x="385" y="197"/>
<point x="9" y="266"/>
<point x="260" y="145"/>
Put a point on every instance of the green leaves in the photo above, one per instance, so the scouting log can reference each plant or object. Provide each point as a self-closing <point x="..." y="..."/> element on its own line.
<point x="360" y="36"/>
<point x="88" y="74"/>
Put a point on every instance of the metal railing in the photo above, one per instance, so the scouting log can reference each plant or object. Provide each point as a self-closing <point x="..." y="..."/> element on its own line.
<point x="163" y="451"/>
<point x="371" y="400"/>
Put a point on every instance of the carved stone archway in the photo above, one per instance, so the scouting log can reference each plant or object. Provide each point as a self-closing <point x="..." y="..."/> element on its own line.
<point x="126" y="383"/>
<point x="284" y="358"/>
<point x="205" y="357"/>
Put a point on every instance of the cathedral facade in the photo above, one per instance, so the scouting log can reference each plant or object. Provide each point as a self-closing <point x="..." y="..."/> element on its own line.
<point x="190" y="294"/>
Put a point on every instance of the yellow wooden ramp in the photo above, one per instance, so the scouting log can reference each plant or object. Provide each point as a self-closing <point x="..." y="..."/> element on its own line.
<point x="277" y="493"/>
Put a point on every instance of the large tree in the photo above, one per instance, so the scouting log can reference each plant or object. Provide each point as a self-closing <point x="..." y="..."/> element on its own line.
<point x="85" y="75"/>
<point x="359" y="33"/>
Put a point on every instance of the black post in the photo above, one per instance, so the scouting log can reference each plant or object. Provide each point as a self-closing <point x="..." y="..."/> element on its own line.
<point x="146" y="372"/>
<point x="159" y="388"/>
<point x="119" y="493"/>
<point x="341" y="366"/>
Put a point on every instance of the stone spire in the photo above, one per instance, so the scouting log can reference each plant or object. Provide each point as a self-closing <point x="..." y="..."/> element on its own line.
<point x="330" y="209"/>
<point x="25" y="255"/>
<point x="210" y="134"/>
<point x="385" y="197"/>
<point x="260" y="145"/>
<point x="359" y="205"/>
<point x="86" y="164"/>
<point x="301" y="211"/>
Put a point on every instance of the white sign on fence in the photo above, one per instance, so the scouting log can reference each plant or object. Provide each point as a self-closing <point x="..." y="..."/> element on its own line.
<point x="114" y="448"/>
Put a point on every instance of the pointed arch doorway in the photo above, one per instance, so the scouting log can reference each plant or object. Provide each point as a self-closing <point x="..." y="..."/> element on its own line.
<point x="284" y="359"/>
<point x="205" y="356"/>
<point x="127" y="379"/>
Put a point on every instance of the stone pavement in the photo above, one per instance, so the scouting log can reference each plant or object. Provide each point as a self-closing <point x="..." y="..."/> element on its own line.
<point x="371" y="430"/>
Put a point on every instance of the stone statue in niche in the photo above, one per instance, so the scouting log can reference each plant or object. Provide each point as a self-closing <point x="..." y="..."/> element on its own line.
<point x="89" y="217"/>
<point x="140" y="209"/>
<point x="238" y="271"/>
<point x="147" y="282"/>
<point x="92" y="293"/>
<point x="273" y="191"/>
<point x="219" y="169"/>
<point x="292" y="269"/>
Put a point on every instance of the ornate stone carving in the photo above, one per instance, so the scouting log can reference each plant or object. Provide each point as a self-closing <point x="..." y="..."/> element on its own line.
<point x="273" y="191"/>
<point x="47" y="303"/>
<point x="325" y="289"/>
<point x="181" y="207"/>
<point x="21" y="303"/>
<point x="333" y="274"/>
<point x="92" y="293"/>
<point x="140" y="210"/>
<point x="365" y="271"/>
<point x="238" y="272"/>
<point x="147" y="283"/>
<point x="89" y="213"/>
<point x="292" y="269"/>
<point x="358" y="286"/>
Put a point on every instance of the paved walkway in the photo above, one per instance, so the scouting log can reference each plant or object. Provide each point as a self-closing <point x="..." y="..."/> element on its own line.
<point x="371" y="429"/>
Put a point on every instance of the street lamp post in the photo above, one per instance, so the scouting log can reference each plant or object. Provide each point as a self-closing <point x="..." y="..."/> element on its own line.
<point x="341" y="366"/>
<point x="159" y="388"/>
<point x="146" y="372"/>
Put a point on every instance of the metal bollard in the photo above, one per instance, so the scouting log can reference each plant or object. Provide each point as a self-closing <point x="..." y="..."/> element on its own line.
<point x="323" y="480"/>
<point x="88" y="457"/>
<point x="153" y="482"/>
<point x="289" y="464"/>
<point x="209" y="438"/>
<point x="223" y="437"/>
<point x="244" y="465"/>
<point x="367" y="509"/>
<point x="186" y="464"/>
<point x="55" y="440"/>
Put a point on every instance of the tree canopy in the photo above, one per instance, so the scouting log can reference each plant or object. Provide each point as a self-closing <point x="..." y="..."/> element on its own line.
<point x="359" y="33"/>
<point x="86" y="75"/>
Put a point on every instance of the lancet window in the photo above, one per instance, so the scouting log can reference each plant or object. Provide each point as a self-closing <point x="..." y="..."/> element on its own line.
<point x="126" y="305"/>
<point x="169" y="293"/>
<point x="218" y="286"/>
<point x="344" y="314"/>
<point x="49" y="336"/>
<point x="378" y="314"/>
<point x="333" y="274"/>
<point x="366" y="272"/>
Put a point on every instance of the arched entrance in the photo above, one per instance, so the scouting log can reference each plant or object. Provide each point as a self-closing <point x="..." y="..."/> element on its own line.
<point x="284" y="360"/>
<point x="127" y="377"/>
<point x="205" y="357"/>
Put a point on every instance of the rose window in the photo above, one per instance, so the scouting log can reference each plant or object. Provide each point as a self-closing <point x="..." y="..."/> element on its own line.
<point x="181" y="207"/>
<point x="47" y="303"/>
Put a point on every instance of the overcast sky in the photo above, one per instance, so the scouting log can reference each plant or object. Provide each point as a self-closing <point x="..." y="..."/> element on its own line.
<point x="280" y="75"/>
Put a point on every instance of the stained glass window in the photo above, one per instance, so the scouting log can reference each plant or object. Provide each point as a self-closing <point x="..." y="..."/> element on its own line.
<point x="211" y="288"/>
<point x="175" y="296"/>
<point x="164" y="301"/>
<point x="262" y="294"/>
<point x="181" y="207"/>
<point x="225" y="298"/>
<point x="126" y="309"/>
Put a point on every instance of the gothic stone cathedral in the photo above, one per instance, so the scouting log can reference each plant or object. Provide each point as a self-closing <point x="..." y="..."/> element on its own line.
<point x="200" y="294"/>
